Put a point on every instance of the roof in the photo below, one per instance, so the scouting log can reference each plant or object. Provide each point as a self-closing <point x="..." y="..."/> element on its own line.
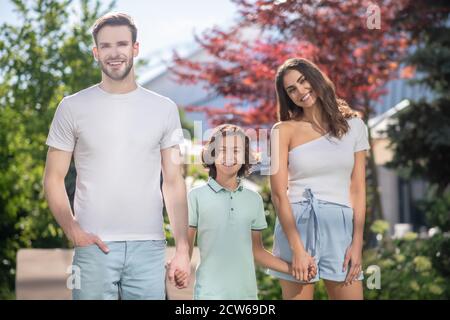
<point x="380" y="123"/>
<point x="160" y="59"/>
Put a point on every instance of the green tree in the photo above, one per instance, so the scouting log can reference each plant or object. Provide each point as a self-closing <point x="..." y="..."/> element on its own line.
<point x="420" y="137"/>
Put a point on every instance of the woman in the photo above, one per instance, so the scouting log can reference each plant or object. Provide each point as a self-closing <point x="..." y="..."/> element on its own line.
<point x="318" y="184"/>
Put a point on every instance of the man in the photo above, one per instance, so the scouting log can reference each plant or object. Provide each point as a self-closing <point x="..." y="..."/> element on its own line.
<point x="121" y="136"/>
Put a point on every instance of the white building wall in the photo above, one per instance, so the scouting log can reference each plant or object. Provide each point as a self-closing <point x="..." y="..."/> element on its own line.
<point x="388" y="186"/>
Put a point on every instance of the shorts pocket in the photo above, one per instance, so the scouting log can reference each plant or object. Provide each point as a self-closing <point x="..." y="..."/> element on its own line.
<point x="85" y="247"/>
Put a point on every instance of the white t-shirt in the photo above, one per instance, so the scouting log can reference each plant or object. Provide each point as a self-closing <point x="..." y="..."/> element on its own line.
<point x="116" y="140"/>
<point x="325" y="165"/>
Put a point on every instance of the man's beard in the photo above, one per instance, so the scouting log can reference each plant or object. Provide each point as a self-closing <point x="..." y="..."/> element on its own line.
<point x="117" y="75"/>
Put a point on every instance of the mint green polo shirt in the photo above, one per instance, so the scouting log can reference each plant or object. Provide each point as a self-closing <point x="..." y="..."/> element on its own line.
<point x="224" y="220"/>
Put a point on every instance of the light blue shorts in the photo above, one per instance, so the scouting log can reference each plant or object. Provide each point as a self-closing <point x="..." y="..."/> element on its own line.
<point x="132" y="270"/>
<point x="326" y="230"/>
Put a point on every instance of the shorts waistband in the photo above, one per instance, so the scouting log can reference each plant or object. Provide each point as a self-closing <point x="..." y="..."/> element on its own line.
<point x="309" y="197"/>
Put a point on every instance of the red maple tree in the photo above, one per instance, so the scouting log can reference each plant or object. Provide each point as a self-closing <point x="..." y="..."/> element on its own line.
<point x="333" y="34"/>
<point x="359" y="44"/>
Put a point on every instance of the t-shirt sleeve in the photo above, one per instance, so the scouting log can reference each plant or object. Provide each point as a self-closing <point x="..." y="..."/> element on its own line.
<point x="192" y="209"/>
<point x="362" y="140"/>
<point x="173" y="133"/>
<point x="62" y="133"/>
<point x="259" y="223"/>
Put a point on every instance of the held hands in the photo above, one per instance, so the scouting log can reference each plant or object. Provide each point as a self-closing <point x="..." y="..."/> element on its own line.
<point x="178" y="270"/>
<point x="303" y="266"/>
<point x="181" y="278"/>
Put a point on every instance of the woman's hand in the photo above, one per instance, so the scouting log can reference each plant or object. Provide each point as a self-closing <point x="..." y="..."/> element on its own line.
<point x="353" y="257"/>
<point x="303" y="265"/>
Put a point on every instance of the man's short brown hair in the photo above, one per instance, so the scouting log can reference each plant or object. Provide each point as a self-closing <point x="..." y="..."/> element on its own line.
<point x="114" y="19"/>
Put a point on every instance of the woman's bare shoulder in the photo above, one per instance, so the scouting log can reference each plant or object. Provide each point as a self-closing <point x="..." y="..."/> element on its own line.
<point x="287" y="125"/>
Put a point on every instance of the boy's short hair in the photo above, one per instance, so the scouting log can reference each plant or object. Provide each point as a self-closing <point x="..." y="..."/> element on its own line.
<point x="114" y="19"/>
<point x="222" y="131"/>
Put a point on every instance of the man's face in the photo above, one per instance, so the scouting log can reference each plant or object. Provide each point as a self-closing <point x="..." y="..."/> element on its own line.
<point x="115" y="51"/>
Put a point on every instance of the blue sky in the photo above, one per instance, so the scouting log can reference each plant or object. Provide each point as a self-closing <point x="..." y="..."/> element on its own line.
<point x="162" y="23"/>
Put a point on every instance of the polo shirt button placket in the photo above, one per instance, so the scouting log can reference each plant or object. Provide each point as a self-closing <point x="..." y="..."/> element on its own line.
<point x="231" y="205"/>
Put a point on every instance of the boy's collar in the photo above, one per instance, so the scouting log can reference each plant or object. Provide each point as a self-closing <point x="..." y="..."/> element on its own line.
<point x="217" y="187"/>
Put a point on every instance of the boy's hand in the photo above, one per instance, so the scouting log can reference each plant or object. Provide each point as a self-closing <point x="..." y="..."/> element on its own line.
<point x="180" y="261"/>
<point x="312" y="271"/>
<point x="180" y="279"/>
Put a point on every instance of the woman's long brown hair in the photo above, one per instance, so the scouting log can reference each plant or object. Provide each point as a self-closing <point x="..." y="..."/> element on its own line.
<point x="334" y="110"/>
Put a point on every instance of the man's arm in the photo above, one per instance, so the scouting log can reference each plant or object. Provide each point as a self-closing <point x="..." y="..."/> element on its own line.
<point x="174" y="191"/>
<point x="56" y="168"/>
